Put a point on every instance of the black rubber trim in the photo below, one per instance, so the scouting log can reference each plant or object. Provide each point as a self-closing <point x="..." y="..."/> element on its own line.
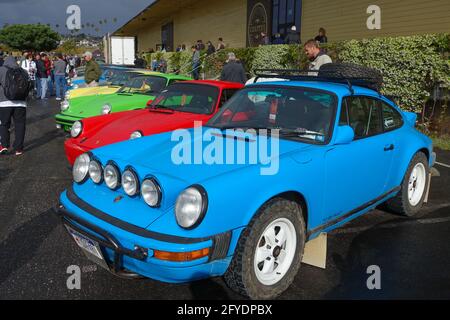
<point x="127" y="226"/>
<point x="349" y="214"/>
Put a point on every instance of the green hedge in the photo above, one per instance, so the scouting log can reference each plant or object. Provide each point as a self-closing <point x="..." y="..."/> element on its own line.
<point x="411" y="65"/>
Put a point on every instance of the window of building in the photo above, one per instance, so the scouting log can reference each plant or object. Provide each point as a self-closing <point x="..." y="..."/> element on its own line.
<point x="285" y="14"/>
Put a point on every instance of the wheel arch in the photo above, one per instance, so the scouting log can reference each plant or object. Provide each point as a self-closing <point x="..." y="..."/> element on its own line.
<point x="292" y="196"/>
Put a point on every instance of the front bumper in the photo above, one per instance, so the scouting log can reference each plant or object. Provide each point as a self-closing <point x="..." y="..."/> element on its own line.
<point x="66" y="122"/>
<point x="129" y="250"/>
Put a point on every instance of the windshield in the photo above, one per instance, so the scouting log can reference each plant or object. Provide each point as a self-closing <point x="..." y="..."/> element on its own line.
<point x="297" y="112"/>
<point x="121" y="78"/>
<point x="194" y="98"/>
<point x="144" y="85"/>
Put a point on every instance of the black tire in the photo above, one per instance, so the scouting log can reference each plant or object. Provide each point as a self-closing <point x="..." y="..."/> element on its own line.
<point x="373" y="77"/>
<point x="400" y="204"/>
<point x="241" y="276"/>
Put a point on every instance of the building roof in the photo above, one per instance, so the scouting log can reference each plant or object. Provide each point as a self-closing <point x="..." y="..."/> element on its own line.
<point x="155" y="13"/>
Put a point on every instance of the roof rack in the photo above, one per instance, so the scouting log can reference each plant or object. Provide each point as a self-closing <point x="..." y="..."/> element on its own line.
<point x="315" y="75"/>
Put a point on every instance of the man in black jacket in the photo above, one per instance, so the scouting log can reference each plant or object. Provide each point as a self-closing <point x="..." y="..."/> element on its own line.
<point x="293" y="37"/>
<point x="233" y="70"/>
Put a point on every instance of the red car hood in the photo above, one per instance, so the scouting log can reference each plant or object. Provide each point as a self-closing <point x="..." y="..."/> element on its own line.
<point x="146" y="121"/>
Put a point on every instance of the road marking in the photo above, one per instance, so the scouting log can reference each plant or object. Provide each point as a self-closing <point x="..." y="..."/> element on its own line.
<point x="443" y="164"/>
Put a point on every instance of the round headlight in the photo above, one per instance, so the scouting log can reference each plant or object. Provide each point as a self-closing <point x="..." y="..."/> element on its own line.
<point x="81" y="168"/>
<point x="77" y="127"/>
<point x="65" y="105"/>
<point x="95" y="171"/>
<point x="130" y="183"/>
<point x="111" y="176"/>
<point x="191" y="207"/>
<point x="106" y="109"/>
<point x="151" y="192"/>
<point x="136" y="135"/>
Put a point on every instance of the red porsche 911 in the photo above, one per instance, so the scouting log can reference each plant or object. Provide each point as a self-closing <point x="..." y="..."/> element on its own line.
<point x="177" y="107"/>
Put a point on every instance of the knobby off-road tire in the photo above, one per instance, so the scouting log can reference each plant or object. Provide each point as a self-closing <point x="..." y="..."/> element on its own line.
<point x="401" y="203"/>
<point x="241" y="275"/>
<point x="350" y="70"/>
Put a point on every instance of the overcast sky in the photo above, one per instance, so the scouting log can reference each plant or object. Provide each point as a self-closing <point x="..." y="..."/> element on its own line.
<point x="54" y="12"/>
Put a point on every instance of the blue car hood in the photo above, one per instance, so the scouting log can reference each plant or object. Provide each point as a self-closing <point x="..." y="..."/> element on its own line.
<point x="161" y="155"/>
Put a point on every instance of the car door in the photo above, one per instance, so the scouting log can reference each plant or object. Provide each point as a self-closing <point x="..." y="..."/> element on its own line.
<point x="356" y="173"/>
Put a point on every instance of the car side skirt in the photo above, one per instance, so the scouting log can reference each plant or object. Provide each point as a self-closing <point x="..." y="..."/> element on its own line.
<point x="353" y="212"/>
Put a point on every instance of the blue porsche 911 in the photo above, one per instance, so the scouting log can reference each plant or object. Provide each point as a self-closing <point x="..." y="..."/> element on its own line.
<point x="299" y="158"/>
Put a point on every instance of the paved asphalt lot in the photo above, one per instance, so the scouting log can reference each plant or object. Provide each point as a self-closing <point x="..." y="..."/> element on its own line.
<point x="35" y="250"/>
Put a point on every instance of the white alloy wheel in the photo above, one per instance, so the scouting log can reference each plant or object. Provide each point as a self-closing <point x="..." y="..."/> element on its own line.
<point x="275" y="252"/>
<point x="416" y="185"/>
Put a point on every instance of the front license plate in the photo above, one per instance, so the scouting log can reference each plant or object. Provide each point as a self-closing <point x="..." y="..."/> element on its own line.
<point x="89" y="246"/>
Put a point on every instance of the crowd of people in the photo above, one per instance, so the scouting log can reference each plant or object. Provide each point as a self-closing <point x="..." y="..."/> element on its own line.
<point x="45" y="73"/>
<point x="36" y="76"/>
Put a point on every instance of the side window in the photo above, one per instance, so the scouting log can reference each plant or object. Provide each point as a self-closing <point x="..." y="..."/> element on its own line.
<point x="391" y="118"/>
<point x="364" y="116"/>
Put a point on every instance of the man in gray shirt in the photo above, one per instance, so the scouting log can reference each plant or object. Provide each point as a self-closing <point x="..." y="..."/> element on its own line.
<point x="60" y="77"/>
<point x="316" y="56"/>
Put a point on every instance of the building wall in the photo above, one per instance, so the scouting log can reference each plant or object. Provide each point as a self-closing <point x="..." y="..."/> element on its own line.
<point x="204" y="19"/>
<point x="346" y="19"/>
<point x="343" y="19"/>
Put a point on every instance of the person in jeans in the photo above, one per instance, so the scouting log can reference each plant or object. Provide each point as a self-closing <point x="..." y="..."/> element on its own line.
<point x="195" y="62"/>
<point x="42" y="76"/>
<point x="60" y="77"/>
<point x="11" y="110"/>
<point x="92" y="71"/>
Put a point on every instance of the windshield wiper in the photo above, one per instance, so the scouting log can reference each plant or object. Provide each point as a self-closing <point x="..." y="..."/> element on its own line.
<point x="299" y="132"/>
<point x="160" y="106"/>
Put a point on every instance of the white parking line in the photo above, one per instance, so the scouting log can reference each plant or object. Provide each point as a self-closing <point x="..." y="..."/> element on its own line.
<point x="442" y="164"/>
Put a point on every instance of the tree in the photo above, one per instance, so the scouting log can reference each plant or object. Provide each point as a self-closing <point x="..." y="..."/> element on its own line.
<point x="69" y="47"/>
<point x="29" y="37"/>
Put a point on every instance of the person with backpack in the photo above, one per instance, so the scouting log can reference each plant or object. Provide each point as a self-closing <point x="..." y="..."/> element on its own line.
<point x="15" y="86"/>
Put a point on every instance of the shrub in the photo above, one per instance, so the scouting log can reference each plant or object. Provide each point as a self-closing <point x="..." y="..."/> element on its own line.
<point x="411" y="66"/>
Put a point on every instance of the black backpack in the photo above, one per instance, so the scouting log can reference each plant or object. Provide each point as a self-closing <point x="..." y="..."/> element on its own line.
<point x="17" y="84"/>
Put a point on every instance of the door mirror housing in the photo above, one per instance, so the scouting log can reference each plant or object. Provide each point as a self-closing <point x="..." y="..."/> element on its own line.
<point x="344" y="135"/>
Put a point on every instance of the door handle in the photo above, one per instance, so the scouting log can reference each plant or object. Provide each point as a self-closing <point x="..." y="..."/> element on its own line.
<point x="389" y="147"/>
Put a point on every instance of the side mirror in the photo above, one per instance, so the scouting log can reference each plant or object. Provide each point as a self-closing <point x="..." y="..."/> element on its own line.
<point x="344" y="135"/>
<point x="410" y="118"/>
